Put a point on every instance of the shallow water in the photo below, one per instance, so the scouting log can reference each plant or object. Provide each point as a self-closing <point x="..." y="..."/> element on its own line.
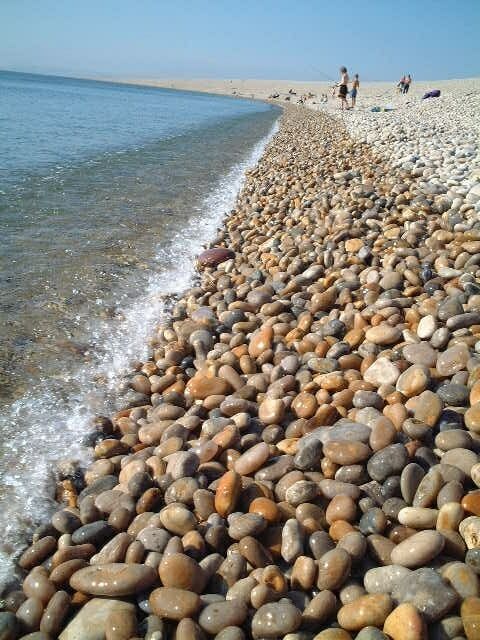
<point x="107" y="193"/>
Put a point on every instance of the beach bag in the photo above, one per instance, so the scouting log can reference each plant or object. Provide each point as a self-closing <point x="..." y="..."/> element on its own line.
<point x="435" y="93"/>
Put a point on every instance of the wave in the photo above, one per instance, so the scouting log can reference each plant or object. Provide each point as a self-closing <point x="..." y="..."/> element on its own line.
<point x="48" y="423"/>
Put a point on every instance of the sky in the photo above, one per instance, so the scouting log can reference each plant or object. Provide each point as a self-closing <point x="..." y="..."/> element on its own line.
<point x="267" y="39"/>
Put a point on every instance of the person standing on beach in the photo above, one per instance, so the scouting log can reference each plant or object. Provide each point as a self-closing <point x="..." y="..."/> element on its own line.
<point x="406" y="83"/>
<point x="354" y="91"/>
<point x="401" y="84"/>
<point x="343" y="87"/>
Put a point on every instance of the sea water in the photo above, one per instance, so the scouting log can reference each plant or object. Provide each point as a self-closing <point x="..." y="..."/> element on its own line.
<point x="107" y="193"/>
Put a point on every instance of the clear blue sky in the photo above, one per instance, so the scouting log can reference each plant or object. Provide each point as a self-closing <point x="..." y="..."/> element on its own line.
<point x="278" y="39"/>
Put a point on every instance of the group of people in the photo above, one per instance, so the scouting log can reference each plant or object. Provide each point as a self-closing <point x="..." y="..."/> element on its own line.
<point x="404" y="84"/>
<point x="343" y="92"/>
<point x="340" y="89"/>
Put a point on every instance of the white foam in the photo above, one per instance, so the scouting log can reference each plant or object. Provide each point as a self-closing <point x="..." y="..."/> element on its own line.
<point x="47" y="424"/>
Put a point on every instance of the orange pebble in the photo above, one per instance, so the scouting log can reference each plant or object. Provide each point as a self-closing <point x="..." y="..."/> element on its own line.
<point x="266" y="508"/>
<point x="471" y="502"/>
<point x="227" y="493"/>
<point x="339" y="529"/>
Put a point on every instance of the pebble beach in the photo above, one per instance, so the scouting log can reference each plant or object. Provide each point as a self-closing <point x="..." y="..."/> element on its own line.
<point x="299" y="456"/>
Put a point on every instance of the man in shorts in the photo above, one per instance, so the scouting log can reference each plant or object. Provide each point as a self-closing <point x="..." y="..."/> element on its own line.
<point x="343" y="87"/>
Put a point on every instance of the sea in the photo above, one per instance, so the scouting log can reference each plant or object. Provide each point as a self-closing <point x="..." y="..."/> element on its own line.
<point x="108" y="191"/>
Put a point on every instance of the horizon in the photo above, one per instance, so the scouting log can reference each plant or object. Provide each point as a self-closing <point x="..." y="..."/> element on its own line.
<point x="432" y="40"/>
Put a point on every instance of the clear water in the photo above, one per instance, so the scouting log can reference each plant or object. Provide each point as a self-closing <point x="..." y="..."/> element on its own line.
<point x="107" y="193"/>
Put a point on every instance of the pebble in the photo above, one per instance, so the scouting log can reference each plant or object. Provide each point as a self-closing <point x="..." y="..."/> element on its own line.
<point x="426" y="327"/>
<point x="470" y="612"/>
<point x="382" y="371"/>
<point x="428" y="489"/>
<point x="453" y="394"/>
<point x="292" y="540"/>
<point x="452" y="360"/>
<point x="418" y="517"/>
<point x="188" y="629"/>
<point x="471" y="503"/>
<point x="37" y="552"/>
<point x="271" y="411"/>
<point x="177" y="519"/>
<point x="217" y="616"/>
<point x="469" y="529"/>
<point x="174" y="604"/>
<point x="116" y="579"/>
<point x="320" y="609"/>
<point x="252" y="459"/>
<point x="333" y="634"/>
<point x="346" y="453"/>
<point x="55" y="613"/>
<point x="453" y="439"/>
<point x="420" y="353"/>
<point x="463" y="459"/>
<point x="387" y="462"/>
<point x="428" y="408"/>
<point x="383" y="334"/>
<point x="276" y="619"/>
<point x="413" y="381"/>
<point x="405" y="623"/>
<point x="418" y="550"/>
<point x="472" y="559"/>
<point x="179" y="571"/>
<point x="214" y="257"/>
<point x="91" y="621"/>
<point x="428" y="592"/>
<point x="472" y="418"/>
<point x="227" y="493"/>
<point x="462" y="578"/>
<point x="410" y="480"/>
<point x="230" y="633"/>
<point x="371" y="633"/>
<point x="370" y="610"/>
<point x="384" y="579"/>
<point x="449" y="627"/>
<point x="333" y="569"/>
<point x="121" y="625"/>
<point x="8" y="625"/>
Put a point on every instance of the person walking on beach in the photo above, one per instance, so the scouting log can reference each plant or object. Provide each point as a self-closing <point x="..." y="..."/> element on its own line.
<point x="354" y="91"/>
<point x="406" y="83"/>
<point x="343" y="87"/>
<point x="401" y="84"/>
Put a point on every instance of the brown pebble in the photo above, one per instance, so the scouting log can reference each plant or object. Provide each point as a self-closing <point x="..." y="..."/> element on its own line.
<point x="174" y="604"/>
<point x="405" y="623"/>
<point x="181" y="572"/>
<point x="470" y="612"/>
<point x="121" y="625"/>
<point x="370" y="610"/>
<point x="227" y="493"/>
<point x="333" y="569"/>
<point x="37" y="552"/>
<point x="55" y="613"/>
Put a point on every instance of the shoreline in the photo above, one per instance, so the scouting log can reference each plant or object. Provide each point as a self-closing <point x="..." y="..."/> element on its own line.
<point x="98" y="383"/>
<point x="303" y="321"/>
